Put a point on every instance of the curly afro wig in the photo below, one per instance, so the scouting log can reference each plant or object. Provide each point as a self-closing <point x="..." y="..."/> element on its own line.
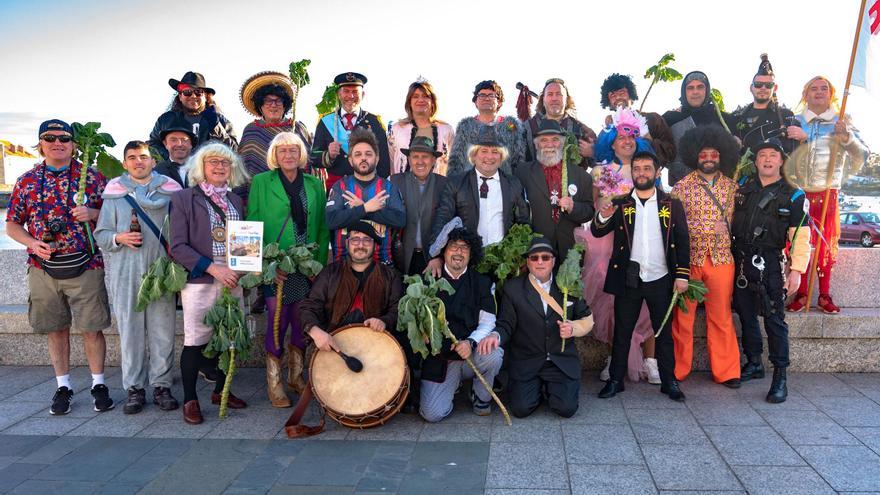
<point x="613" y="83"/>
<point x="709" y="136"/>
<point x="473" y="240"/>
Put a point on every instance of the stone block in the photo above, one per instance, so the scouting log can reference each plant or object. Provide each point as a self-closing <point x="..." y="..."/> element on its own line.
<point x="752" y="446"/>
<point x="668" y="427"/>
<point x="689" y="467"/>
<point x="808" y="428"/>
<point x="772" y="480"/>
<point x="845" y="468"/>
<point x="601" y="480"/>
<point x="512" y="466"/>
<point x="601" y="444"/>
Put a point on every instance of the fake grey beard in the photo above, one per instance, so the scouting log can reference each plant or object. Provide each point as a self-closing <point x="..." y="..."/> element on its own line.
<point x="548" y="158"/>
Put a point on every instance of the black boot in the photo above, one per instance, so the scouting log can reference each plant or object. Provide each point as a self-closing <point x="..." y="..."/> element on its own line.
<point x="671" y="389"/>
<point x="778" y="391"/>
<point x="753" y="368"/>
<point x="611" y="388"/>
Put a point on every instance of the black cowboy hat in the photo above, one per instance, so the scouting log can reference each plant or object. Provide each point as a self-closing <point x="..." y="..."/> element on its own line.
<point x="193" y="79"/>
<point x="423" y="144"/>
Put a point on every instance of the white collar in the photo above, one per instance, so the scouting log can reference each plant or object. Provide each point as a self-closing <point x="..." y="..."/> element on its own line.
<point x="453" y="277"/>
<point x="480" y="174"/>
<point x="827" y="115"/>
<point x="544" y="285"/>
<point x="356" y="112"/>
<point x="639" y="200"/>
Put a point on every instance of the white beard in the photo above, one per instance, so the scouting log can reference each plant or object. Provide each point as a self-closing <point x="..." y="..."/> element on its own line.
<point x="548" y="158"/>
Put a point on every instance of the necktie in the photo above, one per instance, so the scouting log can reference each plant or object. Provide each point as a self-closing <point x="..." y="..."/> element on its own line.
<point x="349" y="117"/>
<point x="484" y="187"/>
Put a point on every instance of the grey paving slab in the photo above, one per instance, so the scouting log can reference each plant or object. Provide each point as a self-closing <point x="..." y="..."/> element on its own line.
<point x="517" y="491"/>
<point x="445" y="467"/>
<point x="689" y="467"/>
<point x="176" y="428"/>
<point x="513" y="466"/>
<point x="195" y="475"/>
<point x="100" y="459"/>
<point x="455" y="432"/>
<point x="118" y="489"/>
<point x="870" y="436"/>
<point x="250" y="423"/>
<point x="757" y="398"/>
<point x="311" y="490"/>
<point x="808" y="428"/>
<point x="594" y="410"/>
<point x="54" y="450"/>
<point x="753" y="445"/>
<point x="145" y="469"/>
<point x="114" y="424"/>
<point x="6" y="460"/>
<point x="23" y="445"/>
<point x="527" y="431"/>
<point x="773" y="480"/>
<point x="48" y="425"/>
<point x="702" y="492"/>
<point x="845" y="468"/>
<point x="260" y="474"/>
<point x="17" y="473"/>
<point x="644" y="396"/>
<point x="31" y="487"/>
<point x="403" y="427"/>
<point x="601" y="444"/>
<point x="601" y="480"/>
<point x="23" y="378"/>
<point x="12" y="412"/>
<point x="850" y="411"/>
<point x="346" y="461"/>
<point x="820" y="385"/>
<point x="665" y="426"/>
<point x="724" y="412"/>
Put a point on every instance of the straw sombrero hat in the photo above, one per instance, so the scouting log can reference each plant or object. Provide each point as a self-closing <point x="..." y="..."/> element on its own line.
<point x="257" y="81"/>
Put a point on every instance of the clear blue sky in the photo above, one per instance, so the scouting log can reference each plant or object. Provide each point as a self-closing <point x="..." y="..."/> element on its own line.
<point x="110" y="61"/>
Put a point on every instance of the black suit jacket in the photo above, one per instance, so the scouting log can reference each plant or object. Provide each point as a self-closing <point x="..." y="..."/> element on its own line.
<point x="461" y="198"/>
<point x="580" y="188"/>
<point x="340" y="166"/>
<point x="408" y="186"/>
<point x="673" y="226"/>
<point x="530" y="336"/>
<point x="172" y="171"/>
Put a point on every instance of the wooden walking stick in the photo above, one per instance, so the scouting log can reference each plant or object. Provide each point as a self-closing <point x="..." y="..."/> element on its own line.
<point x="835" y="150"/>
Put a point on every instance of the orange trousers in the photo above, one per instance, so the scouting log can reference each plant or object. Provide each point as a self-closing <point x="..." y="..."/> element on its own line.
<point x="720" y="333"/>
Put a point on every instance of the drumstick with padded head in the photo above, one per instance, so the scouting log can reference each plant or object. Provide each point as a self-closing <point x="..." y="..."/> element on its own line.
<point x="353" y="363"/>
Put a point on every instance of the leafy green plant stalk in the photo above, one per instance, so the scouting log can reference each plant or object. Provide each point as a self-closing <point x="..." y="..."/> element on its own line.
<point x="660" y="72"/>
<point x="299" y="74"/>
<point x="506" y="258"/>
<point x="297" y="258"/>
<point x="696" y="291"/>
<point x="422" y="316"/>
<point x="718" y="99"/>
<point x="745" y="166"/>
<point x="569" y="280"/>
<point x="91" y="145"/>
<point x="230" y="340"/>
<point x="163" y="277"/>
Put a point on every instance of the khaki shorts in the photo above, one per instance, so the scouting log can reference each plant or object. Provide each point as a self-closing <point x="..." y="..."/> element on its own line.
<point x="52" y="302"/>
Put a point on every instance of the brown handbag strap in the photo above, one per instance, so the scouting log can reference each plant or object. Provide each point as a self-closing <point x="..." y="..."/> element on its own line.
<point x="294" y="426"/>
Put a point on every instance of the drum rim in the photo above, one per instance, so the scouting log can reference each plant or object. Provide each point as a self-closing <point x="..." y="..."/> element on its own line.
<point x="406" y="380"/>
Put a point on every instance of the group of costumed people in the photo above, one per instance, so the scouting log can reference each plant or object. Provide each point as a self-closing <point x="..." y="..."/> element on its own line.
<point x="379" y="204"/>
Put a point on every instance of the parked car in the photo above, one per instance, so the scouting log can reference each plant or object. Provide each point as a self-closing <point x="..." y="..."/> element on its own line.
<point x="861" y="227"/>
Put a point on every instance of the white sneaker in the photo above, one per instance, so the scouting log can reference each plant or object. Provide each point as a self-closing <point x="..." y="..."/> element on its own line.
<point x="605" y="374"/>
<point x="651" y="371"/>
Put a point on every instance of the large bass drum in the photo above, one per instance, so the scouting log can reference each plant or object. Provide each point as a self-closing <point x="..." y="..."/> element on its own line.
<point x="372" y="396"/>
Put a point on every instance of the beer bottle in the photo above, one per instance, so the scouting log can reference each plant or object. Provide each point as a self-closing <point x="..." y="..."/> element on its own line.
<point x="49" y="239"/>
<point x="135" y="225"/>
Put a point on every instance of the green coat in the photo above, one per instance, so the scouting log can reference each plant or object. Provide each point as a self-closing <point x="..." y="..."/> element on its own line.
<point x="268" y="203"/>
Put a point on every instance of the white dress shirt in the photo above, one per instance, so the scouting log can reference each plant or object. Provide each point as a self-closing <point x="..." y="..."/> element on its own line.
<point x="647" y="246"/>
<point x="544" y="285"/>
<point x="491" y="225"/>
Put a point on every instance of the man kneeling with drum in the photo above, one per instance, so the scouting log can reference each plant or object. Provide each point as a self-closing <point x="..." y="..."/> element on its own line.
<point x="355" y="289"/>
<point x="470" y="314"/>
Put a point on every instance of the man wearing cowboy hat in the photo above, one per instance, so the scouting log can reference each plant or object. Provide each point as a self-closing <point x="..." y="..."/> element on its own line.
<point x="179" y="140"/>
<point x="557" y="208"/>
<point x="331" y="148"/>
<point x="420" y="188"/>
<point x="194" y="104"/>
<point x="531" y="327"/>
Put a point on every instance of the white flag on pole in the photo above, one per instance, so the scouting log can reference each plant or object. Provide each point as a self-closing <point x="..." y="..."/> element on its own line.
<point x="866" y="70"/>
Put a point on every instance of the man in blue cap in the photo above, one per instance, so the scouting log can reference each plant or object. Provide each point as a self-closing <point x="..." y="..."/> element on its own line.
<point x="65" y="270"/>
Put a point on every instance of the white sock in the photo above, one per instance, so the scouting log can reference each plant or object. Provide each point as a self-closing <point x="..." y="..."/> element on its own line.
<point x="63" y="381"/>
<point x="97" y="379"/>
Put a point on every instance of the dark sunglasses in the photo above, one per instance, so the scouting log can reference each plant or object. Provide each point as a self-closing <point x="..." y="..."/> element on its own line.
<point x="50" y="138"/>
<point x="767" y="85"/>
<point x="190" y="92"/>
<point x="540" y="257"/>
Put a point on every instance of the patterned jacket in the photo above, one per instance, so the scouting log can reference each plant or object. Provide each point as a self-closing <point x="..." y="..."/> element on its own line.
<point x="702" y="214"/>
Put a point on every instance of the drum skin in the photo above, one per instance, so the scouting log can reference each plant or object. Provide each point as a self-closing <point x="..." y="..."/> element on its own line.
<point x="365" y="399"/>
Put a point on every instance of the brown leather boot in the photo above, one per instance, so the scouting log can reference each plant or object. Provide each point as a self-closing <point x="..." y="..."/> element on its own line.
<point x="295" y="363"/>
<point x="277" y="396"/>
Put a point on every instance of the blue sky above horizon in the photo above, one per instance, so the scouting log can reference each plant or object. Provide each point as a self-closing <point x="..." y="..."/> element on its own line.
<point x="110" y="61"/>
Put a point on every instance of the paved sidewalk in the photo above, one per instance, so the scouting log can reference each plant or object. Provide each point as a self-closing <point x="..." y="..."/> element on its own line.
<point x="824" y="439"/>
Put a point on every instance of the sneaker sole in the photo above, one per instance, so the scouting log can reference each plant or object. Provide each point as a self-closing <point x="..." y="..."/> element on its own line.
<point x="658" y="381"/>
<point x="53" y="413"/>
<point x="104" y="410"/>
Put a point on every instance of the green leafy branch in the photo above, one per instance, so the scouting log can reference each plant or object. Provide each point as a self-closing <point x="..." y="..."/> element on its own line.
<point x="718" y="99"/>
<point x="299" y="74"/>
<point x="661" y="71"/>
<point x="569" y="280"/>
<point x="505" y="259"/>
<point x="164" y="277"/>
<point x="422" y="315"/>
<point x="297" y="258"/>
<point x="696" y="291"/>
<point x="91" y="145"/>
<point x="230" y="340"/>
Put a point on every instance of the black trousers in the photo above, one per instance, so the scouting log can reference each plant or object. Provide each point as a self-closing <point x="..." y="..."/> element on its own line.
<point x="417" y="263"/>
<point x="657" y="295"/>
<point x="749" y="305"/>
<point x="562" y="392"/>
